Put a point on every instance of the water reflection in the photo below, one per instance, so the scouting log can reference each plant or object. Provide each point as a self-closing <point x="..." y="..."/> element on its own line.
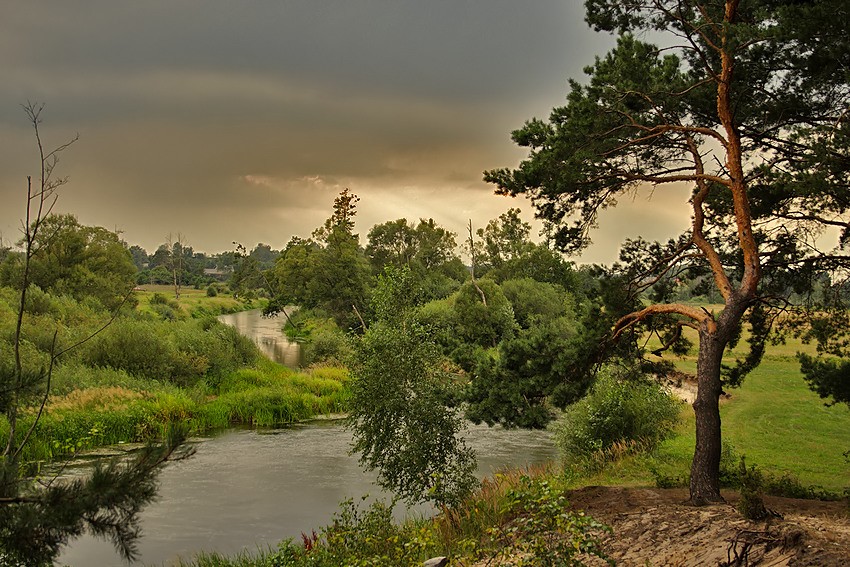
<point x="266" y="333"/>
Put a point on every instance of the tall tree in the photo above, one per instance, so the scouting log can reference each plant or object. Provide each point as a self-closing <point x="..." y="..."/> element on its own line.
<point x="330" y="272"/>
<point x="38" y="517"/>
<point x="403" y="415"/>
<point x="140" y="257"/>
<point x="748" y="103"/>
<point x="505" y="238"/>
<point x="175" y="260"/>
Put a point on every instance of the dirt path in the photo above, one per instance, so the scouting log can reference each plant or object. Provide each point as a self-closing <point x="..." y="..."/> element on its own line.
<point x="654" y="527"/>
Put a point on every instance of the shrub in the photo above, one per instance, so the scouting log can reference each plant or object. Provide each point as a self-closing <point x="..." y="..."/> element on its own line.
<point x="751" y="504"/>
<point x="181" y="352"/>
<point x="617" y="409"/>
<point x="533" y="301"/>
<point x="480" y="324"/>
<point x="543" y="530"/>
<point x="140" y="348"/>
<point x="158" y="299"/>
<point x="326" y="343"/>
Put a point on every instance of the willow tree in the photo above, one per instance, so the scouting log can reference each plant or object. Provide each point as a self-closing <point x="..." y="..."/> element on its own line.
<point x="747" y="103"/>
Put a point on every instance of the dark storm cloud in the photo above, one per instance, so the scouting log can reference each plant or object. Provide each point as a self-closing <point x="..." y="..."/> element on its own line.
<point x="436" y="48"/>
<point x="241" y="120"/>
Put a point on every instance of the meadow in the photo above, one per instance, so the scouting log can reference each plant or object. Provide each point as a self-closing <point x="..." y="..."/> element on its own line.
<point x="773" y="420"/>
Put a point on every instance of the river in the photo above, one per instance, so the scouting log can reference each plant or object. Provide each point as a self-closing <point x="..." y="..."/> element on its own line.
<point x="246" y="489"/>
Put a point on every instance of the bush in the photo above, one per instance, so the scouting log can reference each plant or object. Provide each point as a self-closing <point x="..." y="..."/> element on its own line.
<point x="327" y="346"/>
<point x="181" y="352"/>
<point x="325" y="342"/>
<point x="534" y="301"/>
<point x="617" y="409"/>
<point x="543" y="529"/>
<point x="480" y="324"/>
<point x="751" y="505"/>
<point x="140" y="348"/>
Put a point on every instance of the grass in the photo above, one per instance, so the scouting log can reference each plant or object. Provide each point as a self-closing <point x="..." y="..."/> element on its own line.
<point x="773" y="419"/>
<point x="193" y="302"/>
<point x="268" y="395"/>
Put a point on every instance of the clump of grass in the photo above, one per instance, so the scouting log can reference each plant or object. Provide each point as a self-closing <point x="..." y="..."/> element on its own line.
<point x="104" y="398"/>
<point x="338" y="373"/>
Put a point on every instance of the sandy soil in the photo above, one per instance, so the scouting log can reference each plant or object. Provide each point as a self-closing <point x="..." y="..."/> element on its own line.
<point x="655" y="527"/>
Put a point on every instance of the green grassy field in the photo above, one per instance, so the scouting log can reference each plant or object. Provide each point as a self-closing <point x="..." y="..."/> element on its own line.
<point x="773" y="419"/>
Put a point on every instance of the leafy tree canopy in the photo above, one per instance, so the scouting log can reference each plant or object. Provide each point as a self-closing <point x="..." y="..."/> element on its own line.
<point x="329" y="272"/>
<point x="76" y="260"/>
<point x="403" y="402"/>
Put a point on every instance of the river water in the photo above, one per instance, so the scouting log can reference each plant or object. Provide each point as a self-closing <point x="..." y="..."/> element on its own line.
<point x="246" y="489"/>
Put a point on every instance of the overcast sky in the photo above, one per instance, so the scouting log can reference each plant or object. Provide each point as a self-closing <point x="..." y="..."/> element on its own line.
<point x="240" y="121"/>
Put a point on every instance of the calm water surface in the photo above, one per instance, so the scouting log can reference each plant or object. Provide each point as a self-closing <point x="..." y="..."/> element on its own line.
<point x="247" y="489"/>
<point x="266" y="333"/>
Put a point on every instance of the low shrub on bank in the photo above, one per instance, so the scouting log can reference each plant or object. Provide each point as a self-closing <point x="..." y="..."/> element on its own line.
<point x="619" y="411"/>
<point x="180" y="352"/>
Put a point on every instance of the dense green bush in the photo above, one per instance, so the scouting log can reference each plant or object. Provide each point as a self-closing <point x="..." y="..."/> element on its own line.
<point x="480" y="324"/>
<point x="543" y="530"/>
<point x="181" y="352"/>
<point x="619" y="408"/>
<point x="528" y="376"/>
<point x="534" y="301"/>
<point x="328" y="344"/>
<point x="141" y="348"/>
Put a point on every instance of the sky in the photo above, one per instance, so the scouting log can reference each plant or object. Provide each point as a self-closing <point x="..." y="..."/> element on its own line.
<point x="230" y="121"/>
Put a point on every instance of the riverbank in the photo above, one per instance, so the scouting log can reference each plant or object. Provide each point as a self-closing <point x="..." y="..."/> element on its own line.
<point x="160" y="300"/>
<point x="265" y="395"/>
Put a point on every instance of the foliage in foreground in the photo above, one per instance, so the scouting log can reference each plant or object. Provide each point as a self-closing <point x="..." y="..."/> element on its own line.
<point x="402" y="404"/>
<point x="403" y="425"/>
<point x="516" y="516"/>
<point x="39" y="521"/>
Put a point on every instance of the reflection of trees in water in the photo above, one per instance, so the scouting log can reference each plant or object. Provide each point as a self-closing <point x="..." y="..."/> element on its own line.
<point x="267" y="334"/>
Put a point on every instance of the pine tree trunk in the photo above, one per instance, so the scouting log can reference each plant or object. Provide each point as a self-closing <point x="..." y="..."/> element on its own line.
<point x="705" y="468"/>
